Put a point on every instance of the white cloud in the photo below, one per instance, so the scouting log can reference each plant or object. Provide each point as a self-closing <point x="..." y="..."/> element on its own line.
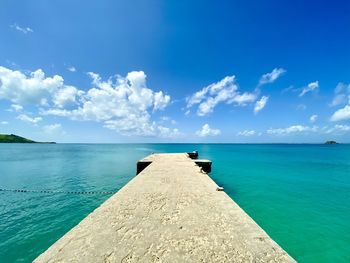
<point x="28" y="89"/>
<point x="247" y="133"/>
<point x="272" y="76"/>
<point x="337" y="129"/>
<point x="141" y="127"/>
<point x="4" y="122"/>
<point x="28" y="119"/>
<point x="24" y="30"/>
<point x="57" y="112"/>
<point x="72" y="69"/>
<point x="207" y="131"/>
<point x="313" y="118"/>
<point x="310" y="87"/>
<point x="300" y="129"/>
<point x="341" y="94"/>
<point x="123" y="106"/>
<point x="66" y="96"/>
<point x="15" y="108"/>
<point x="260" y="104"/>
<point x="165" y="132"/>
<point x="292" y="129"/>
<point x="161" y="100"/>
<point x="341" y="114"/>
<point x="55" y="128"/>
<point x="224" y="91"/>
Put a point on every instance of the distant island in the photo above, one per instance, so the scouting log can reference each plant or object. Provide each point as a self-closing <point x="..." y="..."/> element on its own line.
<point x="330" y="142"/>
<point x="12" y="138"/>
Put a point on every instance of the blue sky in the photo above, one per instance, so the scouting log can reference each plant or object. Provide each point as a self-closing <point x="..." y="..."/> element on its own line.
<point x="175" y="71"/>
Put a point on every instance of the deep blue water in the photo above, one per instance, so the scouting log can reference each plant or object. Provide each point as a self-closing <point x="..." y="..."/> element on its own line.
<point x="299" y="194"/>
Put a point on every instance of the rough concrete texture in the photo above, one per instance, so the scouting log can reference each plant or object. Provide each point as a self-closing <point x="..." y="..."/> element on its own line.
<point x="170" y="212"/>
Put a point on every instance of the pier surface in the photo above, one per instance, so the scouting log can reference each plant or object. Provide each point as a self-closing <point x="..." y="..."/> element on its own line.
<point x="170" y="212"/>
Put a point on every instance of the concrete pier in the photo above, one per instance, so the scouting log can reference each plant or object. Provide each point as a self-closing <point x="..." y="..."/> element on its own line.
<point x="170" y="212"/>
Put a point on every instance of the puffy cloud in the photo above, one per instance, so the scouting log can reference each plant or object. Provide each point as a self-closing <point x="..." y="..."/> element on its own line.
<point x="272" y="76"/>
<point x="57" y="112"/>
<point x="24" y="30"/>
<point x="247" y="133"/>
<point x="28" y="119"/>
<point x="161" y="100"/>
<point x="292" y="129"/>
<point x="341" y="94"/>
<point x="310" y="87"/>
<point x="4" y="122"/>
<point x="313" y="118"/>
<point x="32" y="89"/>
<point x="141" y="127"/>
<point x="66" y="96"/>
<point x="207" y="131"/>
<point x="123" y="105"/>
<point x="165" y="132"/>
<point x="224" y="91"/>
<point x="55" y="128"/>
<point x="341" y="114"/>
<point x="260" y="104"/>
<point x="244" y="98"/>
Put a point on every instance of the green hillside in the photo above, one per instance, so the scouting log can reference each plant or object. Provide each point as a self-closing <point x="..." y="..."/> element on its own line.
<point x="12" y="138"/>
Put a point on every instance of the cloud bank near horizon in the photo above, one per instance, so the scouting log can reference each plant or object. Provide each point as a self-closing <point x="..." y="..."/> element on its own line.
<point x="126" y="105"/>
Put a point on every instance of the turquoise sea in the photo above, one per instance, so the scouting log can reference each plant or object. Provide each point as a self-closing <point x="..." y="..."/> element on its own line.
<point x="299" y="194"/>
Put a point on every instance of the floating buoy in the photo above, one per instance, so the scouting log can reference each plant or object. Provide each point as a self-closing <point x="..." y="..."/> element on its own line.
<point x="55" y="192"/>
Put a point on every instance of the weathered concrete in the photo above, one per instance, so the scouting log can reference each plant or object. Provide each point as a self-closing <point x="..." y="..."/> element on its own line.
<point x="170" y="212"/>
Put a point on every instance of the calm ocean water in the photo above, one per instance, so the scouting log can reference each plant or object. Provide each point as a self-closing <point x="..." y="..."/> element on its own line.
<point x="299" y="194"/>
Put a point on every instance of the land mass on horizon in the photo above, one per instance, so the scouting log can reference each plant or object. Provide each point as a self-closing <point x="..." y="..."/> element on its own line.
<point x="12" y="138"/>
<point x="330" y="142"/>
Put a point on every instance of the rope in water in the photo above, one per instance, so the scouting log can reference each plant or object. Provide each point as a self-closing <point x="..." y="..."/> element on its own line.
<point x="57" y="192"/>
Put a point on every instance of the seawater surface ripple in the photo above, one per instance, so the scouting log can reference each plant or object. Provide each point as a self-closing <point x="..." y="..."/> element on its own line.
<point x="299" y="194"/>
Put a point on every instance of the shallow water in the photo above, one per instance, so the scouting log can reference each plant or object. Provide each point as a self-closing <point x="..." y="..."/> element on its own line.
<point x="299" y="194"/>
